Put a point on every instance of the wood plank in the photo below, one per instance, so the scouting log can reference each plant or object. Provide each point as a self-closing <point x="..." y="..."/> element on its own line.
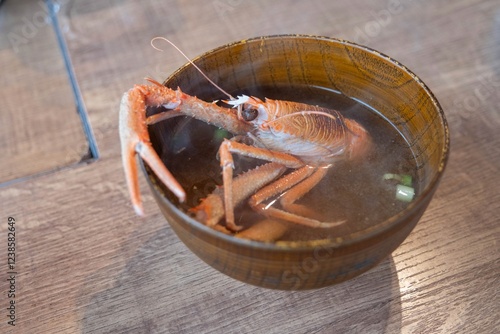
<point x="40" y="128"/>
<point x="88" y="264"/>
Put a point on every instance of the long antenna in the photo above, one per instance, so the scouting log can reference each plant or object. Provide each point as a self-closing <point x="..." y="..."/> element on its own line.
<point x="190" y="61"/>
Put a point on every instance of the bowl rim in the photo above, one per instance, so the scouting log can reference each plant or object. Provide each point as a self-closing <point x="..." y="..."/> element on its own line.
<point x="352" y="238"/>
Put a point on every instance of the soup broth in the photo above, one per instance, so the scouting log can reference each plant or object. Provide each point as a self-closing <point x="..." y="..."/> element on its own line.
<point x="356" y="193"/>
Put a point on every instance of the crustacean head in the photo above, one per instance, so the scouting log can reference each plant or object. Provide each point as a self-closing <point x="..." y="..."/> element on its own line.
<point x="250" y="109"/>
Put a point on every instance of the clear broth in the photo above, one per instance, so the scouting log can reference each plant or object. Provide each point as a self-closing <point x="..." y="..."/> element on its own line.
<point x="354" y="192"/>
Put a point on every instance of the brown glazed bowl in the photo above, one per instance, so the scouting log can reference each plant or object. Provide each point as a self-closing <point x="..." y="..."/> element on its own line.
<point x="295" y="60"/>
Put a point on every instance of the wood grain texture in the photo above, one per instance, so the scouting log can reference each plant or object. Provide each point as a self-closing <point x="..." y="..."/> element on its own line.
<point x="87" y="265"/>
<point x="40" y="129"/>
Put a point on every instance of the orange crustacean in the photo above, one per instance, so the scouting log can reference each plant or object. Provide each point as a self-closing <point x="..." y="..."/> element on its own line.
<point x="288" y="135"/>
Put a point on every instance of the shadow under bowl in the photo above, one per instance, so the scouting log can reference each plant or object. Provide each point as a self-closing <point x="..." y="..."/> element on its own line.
<point x="295" y="60"/>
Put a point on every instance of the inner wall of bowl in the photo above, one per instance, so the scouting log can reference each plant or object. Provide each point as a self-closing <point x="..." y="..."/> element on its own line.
<point x="357" y="72"/>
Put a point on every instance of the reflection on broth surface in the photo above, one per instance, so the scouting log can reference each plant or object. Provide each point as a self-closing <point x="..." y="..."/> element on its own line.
<point x="354" y="192"/>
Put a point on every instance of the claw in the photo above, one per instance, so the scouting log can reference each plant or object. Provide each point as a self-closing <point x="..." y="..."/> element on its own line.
<point x="134" y="134"/>
<point x="135" y="139"/>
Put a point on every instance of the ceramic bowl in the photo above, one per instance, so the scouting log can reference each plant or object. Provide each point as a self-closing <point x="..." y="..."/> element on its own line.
<point x="254" y="65"/>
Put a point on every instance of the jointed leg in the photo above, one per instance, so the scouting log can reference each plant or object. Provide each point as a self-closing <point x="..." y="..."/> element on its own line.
<point x="226" y="150"/>
<point x="298" y="184"/>
<point x="289" y="198"/>
<point x="211" y="209"/>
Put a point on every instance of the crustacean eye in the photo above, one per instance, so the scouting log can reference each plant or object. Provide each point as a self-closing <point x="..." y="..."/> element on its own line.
<point x="249" y="114"/>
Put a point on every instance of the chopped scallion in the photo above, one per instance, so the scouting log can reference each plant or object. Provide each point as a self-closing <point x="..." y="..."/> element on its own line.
<point x="221" y="134"/>
<point x="389" y="176"/>
<point x="404" y="179"/>
<point x="404" y="193"/>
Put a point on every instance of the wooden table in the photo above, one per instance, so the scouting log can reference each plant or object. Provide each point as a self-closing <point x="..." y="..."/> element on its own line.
<point x="85" y="262"/>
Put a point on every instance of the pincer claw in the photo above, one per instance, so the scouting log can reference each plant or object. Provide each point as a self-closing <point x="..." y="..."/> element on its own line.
<point x="134" y="138"/>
